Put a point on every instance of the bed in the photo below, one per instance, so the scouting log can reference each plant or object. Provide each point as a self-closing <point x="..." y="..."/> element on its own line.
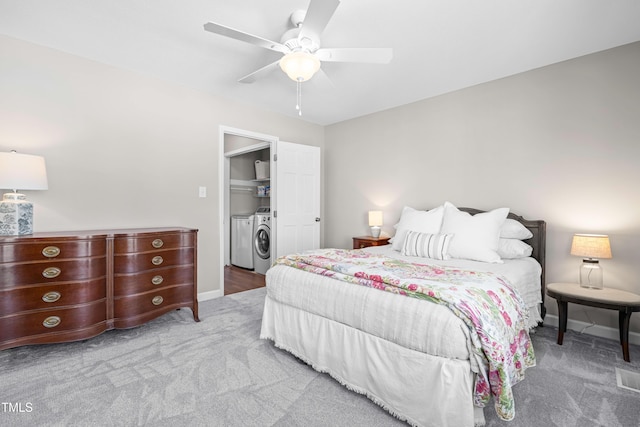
<point x="413" y="357"/>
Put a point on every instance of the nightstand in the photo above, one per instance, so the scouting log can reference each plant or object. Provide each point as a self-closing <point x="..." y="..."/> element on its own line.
<point x="624" y="302"/>
<point x="366" y="241"/>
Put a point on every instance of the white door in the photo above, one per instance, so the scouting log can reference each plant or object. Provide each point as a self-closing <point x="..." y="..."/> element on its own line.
<point x="296" y="208"/>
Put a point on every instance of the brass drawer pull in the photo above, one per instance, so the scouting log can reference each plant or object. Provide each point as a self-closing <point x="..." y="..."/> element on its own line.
<point x="52" y="296"/>
<point x="51" y="272"/>
<point x="157" y="280"/>
<point x="51" y="322"/>
<point x="51" y="251"/>
<point x="157" y="260"/>
<point x="157" y="243"/>
<point x="157" y="300"/>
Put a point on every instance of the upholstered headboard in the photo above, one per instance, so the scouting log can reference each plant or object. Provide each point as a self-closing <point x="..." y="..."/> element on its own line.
<point x="538" y="242"/>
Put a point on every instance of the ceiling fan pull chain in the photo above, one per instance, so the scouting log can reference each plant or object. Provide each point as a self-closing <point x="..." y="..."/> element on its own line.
<point x="299" y="96"/>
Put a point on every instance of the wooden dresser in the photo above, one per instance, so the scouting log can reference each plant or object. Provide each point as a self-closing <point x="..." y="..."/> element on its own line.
<point x="66" y="286"/>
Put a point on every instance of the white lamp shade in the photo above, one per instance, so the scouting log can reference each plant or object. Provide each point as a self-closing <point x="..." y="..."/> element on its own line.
<point x="375" y="218"/>
<point x="300" y="66"/>
<point x="591" y="246"/>
<point x="22" y="172"/>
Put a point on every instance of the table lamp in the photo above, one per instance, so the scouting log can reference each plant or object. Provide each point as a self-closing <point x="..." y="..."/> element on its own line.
<point x="23" y="172"/>
<point x="591" y="247"/>
<point x="375" y="222"/>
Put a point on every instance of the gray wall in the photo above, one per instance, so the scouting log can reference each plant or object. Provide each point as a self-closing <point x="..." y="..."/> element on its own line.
<point x="560" y="143"/>
<point x="122" y="149"/>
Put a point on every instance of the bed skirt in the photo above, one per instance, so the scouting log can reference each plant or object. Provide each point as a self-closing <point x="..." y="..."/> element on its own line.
<point x="416" y="387"/>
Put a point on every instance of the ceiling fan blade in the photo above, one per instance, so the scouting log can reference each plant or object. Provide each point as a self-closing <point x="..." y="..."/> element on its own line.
<point x="370" y="55"/>
<point x="318" y="15"/>
<point x="245" y="37"/>
<point x="250" y="78"/>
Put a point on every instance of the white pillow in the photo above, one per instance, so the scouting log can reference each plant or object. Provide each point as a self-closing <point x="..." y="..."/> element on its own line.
<point x="475" y="236"/>
<point x="426" y="245"/>
<point x="512" y="229"/>
<point x="513" y="248"/>
<point x="420" y="221"/>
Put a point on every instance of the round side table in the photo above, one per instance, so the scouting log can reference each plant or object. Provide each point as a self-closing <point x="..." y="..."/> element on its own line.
<point x="624" y="302"/>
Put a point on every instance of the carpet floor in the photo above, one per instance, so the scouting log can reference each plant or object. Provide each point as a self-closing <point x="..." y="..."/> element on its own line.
<point x="175" y="372"/>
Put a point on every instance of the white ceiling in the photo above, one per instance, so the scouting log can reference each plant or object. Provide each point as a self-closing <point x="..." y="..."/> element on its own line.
<point x="439" y="45"/>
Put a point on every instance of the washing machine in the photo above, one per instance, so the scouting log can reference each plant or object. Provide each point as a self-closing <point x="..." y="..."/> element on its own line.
<point x="242" y="229"/>
<point x="262" y="240"/>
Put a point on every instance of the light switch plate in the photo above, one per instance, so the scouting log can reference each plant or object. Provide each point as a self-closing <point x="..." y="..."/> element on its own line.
<point x="202" y="191"/>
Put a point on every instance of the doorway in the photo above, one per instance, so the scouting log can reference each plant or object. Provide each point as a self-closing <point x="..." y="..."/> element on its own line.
<point x="292" y="198"/>
<point x="242" y="192"/>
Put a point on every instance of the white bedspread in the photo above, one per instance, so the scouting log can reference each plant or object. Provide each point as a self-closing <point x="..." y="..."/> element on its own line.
<point x="523" y="274"/>
<point x="404" y="321"/>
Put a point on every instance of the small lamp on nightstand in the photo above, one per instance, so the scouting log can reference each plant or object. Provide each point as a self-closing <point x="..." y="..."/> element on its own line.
<point x="375" y="222"/>
<point x="591" y="247"/>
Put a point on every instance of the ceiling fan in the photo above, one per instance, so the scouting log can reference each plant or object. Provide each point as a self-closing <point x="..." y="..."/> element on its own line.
<point x="301" y="46"/>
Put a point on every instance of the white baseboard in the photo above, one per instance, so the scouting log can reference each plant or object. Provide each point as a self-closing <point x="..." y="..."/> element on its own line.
<point x="205" y="296"/>
<point x="595" y="330"/>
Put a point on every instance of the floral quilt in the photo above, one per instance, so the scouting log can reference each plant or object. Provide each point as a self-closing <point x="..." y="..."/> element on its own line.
<point x="492" y="310"/>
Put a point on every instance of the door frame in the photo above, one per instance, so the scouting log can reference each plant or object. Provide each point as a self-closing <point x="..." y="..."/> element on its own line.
<point x="224" y="162"/>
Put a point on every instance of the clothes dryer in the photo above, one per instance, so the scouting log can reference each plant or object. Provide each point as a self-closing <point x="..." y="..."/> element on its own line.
<point x="242" y="229"/>
<point x="262" y="240"/>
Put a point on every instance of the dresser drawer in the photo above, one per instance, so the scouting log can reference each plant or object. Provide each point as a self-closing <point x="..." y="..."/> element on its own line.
<point x="154" y="279"/>
<point x="52" y="249"/>
<point x="51" y="296"/>
<point x="135" y="305"/>
<point x="132" y="263"/>
<point x="124" y="245"/>
<point x="53" y="321"/>
<point x="74" y="270"/>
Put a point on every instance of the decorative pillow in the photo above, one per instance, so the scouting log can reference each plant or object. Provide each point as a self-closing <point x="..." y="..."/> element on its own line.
<point x="420" y="221"/>
<point x="476" y="236"/>
<point x="513" y="248"/>
<point x="512" y="229"/>
<point x="426" y="245"/>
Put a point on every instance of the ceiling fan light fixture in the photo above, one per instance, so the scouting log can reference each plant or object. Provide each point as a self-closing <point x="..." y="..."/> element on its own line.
<point x="300" y="66"/>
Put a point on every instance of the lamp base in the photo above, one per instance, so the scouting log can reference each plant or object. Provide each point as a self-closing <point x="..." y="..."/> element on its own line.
<point x="375" y="231"/>
<point x="16" y="215"/>
<point x="591" y="274"/>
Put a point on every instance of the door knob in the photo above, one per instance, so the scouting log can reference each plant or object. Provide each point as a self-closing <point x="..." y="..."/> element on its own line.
<point x="317" y="219"/>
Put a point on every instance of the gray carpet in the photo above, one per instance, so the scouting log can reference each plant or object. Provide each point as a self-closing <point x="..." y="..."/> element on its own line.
<point x="218" y="372"/>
